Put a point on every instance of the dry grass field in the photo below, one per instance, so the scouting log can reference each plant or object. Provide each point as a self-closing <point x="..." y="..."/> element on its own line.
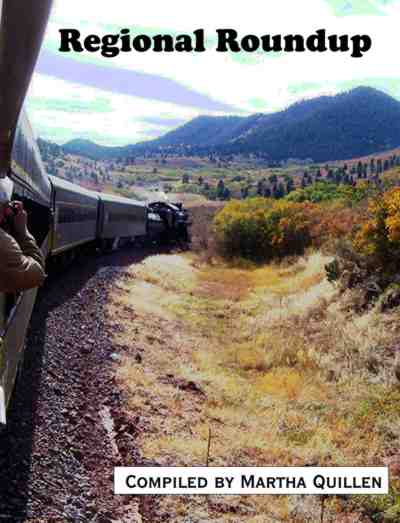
<point x="272" y="364"/>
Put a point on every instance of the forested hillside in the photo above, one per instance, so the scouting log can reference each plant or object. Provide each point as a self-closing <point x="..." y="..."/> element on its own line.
<point x="351" y="124"/>
<point x="348" y="125"/>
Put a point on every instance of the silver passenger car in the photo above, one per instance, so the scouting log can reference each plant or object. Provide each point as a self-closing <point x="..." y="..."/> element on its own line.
<point x="120" y="218"/>
<point x="31" y="186"/>
<point x="75" y="216"/>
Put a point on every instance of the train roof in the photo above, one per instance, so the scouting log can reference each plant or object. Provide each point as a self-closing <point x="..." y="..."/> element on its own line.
<point x="22" y="26"/>
<point x="27" y="166"/>
<point x="73" y="187"/>
<point x="120" y="199"/>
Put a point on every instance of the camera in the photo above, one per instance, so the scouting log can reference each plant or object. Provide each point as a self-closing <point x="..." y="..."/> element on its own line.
<point x="11" y="210"/>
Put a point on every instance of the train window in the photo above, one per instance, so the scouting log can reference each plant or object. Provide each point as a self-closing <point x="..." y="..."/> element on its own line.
<point x="121" y="217"/>
<point x="72" y="214"/>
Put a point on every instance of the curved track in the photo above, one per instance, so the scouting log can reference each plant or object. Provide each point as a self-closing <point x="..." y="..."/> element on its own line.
<point x="55" y="455"/>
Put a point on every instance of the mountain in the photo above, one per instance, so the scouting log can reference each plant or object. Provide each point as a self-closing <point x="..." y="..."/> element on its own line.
<point x="204" y="131"/>
<point x="94" y="151"/>
<point x="356" y="123"/>
<point x="351" y="124"/>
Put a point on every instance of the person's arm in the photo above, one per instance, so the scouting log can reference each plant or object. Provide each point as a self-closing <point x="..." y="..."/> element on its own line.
<point x="25" y="240"/>
<point x="29" y="247"/>
<point x="19" y="270"/>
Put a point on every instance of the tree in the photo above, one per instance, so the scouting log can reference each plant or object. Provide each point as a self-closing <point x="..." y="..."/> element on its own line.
<point x="289" y="186"/>
<point x="227" y="194"/>
<point x="372" y="166"/>
<point x="267" y="192"/>
<point x="279" y="191"/>
<point x="220" y="189"/>
<point x="273" y="179"/>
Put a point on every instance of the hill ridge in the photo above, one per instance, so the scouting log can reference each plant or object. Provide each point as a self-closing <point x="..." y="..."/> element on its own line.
<point x="350" y="124"/>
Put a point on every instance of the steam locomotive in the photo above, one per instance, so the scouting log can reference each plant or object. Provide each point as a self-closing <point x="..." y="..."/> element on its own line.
<point x="63" y="217"/>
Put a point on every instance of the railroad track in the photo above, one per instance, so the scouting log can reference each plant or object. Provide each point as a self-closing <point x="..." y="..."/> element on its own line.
<point x="55" y="454"/>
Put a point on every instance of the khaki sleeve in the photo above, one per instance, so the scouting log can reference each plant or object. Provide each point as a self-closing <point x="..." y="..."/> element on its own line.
<point x="21" y="266"/>
<point x="30" y="248"/>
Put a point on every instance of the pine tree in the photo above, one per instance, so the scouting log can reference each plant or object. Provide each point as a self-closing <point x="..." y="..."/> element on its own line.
<point x="260" y="187"/>
<point x="372" y="166"/>
<point x="289" y="186"/>
<point x="220" y="189"/>
<point x="279" y="191"/>
<point x="267" y="192"/>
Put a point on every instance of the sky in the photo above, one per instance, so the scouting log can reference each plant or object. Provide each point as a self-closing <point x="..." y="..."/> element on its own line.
<point x="140" y="96"/>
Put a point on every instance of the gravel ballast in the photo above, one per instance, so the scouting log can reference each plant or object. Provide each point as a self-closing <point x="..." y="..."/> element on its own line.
<point x="66" y="429"/>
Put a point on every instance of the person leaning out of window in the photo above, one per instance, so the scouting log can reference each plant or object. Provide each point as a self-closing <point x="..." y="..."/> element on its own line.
<point x="21" y="260"/>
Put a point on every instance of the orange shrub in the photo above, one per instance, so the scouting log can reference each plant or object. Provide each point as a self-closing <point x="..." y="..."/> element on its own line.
<point x="335" y="221"/>
<point x="261" y="229"/>
<point x="379" y="237"/>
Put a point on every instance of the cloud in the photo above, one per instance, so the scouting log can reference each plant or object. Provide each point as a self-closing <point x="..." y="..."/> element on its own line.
<point x="99" y="105"/>
<point x="138" y="87"/>
<point x="124" y="81"/>
<point x="359" y="7"/>
<point x="104" y="116"/>
<point x="163" y="122"/>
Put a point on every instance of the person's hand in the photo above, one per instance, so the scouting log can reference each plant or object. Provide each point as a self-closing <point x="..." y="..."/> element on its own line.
<point x="20" y="221"/>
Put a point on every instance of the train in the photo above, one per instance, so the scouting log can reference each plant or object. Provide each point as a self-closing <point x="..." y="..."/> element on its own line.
<point x="62" y="216"/>
<point x="65" y="217"/>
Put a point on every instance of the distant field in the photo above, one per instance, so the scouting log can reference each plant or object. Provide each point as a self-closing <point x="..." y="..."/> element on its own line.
<point x="208" y="178"/>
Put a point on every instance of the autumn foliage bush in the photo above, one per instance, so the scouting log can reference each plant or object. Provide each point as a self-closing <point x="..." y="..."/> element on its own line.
<point x="370" y="258"/>
<point x="335" y="221"/>
<point x="363" y="235"/>
<point x="261" y="229"/>
<point x="379" y="237"/>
